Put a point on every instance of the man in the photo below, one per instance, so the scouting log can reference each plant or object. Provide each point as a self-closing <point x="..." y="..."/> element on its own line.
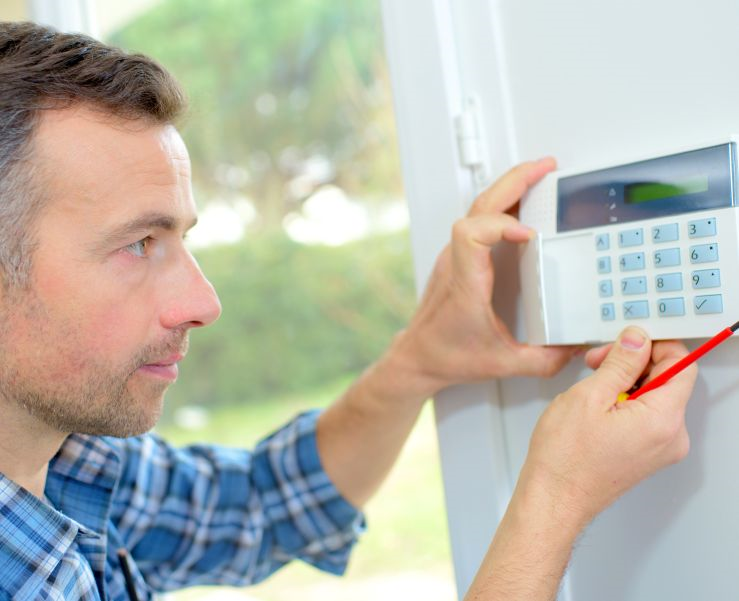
<point x="98" y="296"/>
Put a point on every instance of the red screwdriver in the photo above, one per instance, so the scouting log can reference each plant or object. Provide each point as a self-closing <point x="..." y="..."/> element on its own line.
<point x="682" y="364"/>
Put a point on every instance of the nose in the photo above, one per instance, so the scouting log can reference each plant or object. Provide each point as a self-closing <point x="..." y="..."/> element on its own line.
<point x="193" y="301"/>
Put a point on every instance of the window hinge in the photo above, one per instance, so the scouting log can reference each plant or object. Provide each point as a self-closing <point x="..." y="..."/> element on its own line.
<point x="472" y="149"/>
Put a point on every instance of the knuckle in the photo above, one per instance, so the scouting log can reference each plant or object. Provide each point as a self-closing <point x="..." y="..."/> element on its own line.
<point x="619" y="367"/>
<point x="681" y="447"/>
<point x="668" y="431"/>
<point x="460" y="230"/>
<point x="551" y="368"/>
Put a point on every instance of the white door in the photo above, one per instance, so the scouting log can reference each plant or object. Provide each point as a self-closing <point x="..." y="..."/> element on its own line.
<point x="587" y="81"/>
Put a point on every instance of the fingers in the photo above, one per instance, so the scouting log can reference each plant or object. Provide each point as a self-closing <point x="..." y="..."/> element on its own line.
<point x="509" y="189"/>
<point x="677" y="390"/>
<point x="595" y="356"/>
<point x="670" y="351"/>
<point x="623" y="364"/>
<point x="473" y="237"/>
<point x="541" y="361"/>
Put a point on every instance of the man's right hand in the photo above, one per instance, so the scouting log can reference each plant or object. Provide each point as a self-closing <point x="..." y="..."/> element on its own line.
<point x="591" y="448"/>
<point x="586" y="450"/>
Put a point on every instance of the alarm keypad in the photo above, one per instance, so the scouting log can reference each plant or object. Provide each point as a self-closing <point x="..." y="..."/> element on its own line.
<point x="642" y="290"/>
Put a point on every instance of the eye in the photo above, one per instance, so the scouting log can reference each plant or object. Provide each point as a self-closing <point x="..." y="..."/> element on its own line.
<point x="140" y="247"/>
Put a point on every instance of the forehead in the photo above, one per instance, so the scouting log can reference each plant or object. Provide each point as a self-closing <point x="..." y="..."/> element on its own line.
<point x="97" y="168"/>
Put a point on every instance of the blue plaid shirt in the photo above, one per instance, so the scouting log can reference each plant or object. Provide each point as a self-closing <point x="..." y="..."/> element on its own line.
<point x="199" y="515"/>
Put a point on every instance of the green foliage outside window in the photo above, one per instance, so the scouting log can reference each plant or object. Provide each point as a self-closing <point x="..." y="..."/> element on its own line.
<point x="294" y="317"/>
<point x="276" y="87"/>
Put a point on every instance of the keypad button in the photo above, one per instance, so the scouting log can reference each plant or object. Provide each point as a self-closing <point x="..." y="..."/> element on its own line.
<point x="704" y="253"/>
<point x="669" y="257"/>
<point x="667" y="232"/>
<point x="706" y="278"/>
<point x="633" y="237"/>
<point x="631" y="262"/>
<point x="607" y="312"/>
<point x="634" y="285"/>
<point x="701" y="228"/>
<point x="636" y="310"/>
<point x="605" y="288"/>
<point x="704" y="305"/>
<point x="602" y="242"/>
<point x="604" y="264"/>
<point x="668" y="282"/>
<point x="671" y="307"/>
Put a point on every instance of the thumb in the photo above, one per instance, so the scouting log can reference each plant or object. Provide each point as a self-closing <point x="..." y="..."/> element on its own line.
<point x="625" y="362"/>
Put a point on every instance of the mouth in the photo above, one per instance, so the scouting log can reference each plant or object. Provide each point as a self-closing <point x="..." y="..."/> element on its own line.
<point x="165" y="369"/>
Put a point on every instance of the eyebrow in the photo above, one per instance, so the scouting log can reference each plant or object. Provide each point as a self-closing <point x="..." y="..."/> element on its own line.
<point x="142" y="223"/>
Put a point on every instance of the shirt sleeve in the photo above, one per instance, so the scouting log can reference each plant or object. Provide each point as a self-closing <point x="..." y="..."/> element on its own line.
<point x="212" y="515"/>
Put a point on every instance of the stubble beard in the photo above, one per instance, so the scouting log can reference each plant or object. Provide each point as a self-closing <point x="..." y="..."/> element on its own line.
<point x="99" y="399"/>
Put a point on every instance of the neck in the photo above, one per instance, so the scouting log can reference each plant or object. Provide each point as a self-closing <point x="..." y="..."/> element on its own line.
<point x="26" y="447"/>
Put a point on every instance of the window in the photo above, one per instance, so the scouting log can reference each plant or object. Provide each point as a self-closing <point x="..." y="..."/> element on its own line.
<point x="303" y="232"/>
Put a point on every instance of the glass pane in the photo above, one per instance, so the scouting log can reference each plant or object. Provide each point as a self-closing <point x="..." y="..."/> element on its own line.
<point x="303" y="232"/>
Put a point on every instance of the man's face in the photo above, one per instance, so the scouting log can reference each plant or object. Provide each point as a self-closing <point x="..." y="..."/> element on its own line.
<point x="94" y="342"/>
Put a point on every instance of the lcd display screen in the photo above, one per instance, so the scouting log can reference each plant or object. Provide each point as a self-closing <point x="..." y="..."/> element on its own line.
<point x="649" y="191"/>
<point x="696" y="180"/>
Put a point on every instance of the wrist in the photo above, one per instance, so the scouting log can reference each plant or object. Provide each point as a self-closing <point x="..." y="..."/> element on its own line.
<point x="400" y="375"/>
<point x="555" y="503"/>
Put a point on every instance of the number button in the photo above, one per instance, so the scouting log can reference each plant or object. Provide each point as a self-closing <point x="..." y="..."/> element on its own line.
<point x="669" y="282"/>
<point x="631" y="262"/>
<point x="604" y="264"/>
<point x="602" y="242"/>
<point x="670" y="257"/>
<point x="705" y="305"/>
<point x="706" y="278"/>
<point x="634" y="286"/>
<point x="665" y="233"/>
<point x="631" y="238"/>
<point x="607" y="312"/>
<point x="704" y="253"/>
<point x="701" y="228"/>
<point x="605" y="288"/>
<point x="671" y="307"/>
<point x="636" y="310"/>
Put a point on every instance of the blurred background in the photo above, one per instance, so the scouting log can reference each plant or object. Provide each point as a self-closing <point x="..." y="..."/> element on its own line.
<point x="304" y="233"/>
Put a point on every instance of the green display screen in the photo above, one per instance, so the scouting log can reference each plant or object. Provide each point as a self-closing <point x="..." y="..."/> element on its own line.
<point x="648" y="191"/>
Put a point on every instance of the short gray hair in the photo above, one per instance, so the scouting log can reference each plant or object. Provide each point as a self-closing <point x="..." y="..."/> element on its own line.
<point x="41" y="69"/>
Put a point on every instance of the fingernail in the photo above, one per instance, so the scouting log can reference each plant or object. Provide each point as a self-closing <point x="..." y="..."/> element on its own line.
<point x="632" y="339"/>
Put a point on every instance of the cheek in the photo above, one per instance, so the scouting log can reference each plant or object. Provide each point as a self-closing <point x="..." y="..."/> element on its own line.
<point x="105" y="315"/>
<point x="114" y="330"/>
<point x="87" y="316"/>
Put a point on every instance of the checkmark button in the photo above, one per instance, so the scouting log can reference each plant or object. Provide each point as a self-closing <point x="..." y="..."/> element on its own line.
<point x="705" y="305"/>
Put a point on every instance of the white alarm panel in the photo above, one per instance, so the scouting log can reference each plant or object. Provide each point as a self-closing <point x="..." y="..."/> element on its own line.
<point x="652" y="241"/>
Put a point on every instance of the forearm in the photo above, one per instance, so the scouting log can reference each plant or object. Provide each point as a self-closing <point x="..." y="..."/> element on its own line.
<point x="362" y="433"/>
<point x="530" y="551"/>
